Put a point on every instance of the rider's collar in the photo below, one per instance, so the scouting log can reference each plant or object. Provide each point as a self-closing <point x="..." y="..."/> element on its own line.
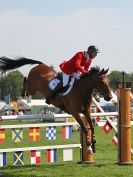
<point x="87" y="56"/>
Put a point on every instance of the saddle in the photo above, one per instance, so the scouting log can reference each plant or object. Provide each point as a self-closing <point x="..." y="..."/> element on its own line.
<point x="56" y="80"/>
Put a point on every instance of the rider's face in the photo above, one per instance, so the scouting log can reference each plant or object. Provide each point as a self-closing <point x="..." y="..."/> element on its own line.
<point x="93" y="54"/>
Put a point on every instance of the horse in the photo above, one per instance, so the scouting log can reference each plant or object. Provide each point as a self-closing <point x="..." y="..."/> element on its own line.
<point x="77" y="102"/>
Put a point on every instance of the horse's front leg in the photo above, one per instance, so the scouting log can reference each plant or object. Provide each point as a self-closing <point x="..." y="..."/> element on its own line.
<point x="84" y="126"/>
<point x="88" y="136"/>
<point x="88" y="119"/>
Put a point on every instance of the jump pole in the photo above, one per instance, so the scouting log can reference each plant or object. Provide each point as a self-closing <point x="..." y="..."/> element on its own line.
<point x="124" y="124"/>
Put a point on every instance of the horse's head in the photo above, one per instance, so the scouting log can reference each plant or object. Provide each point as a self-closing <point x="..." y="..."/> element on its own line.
<point x="98" y="80"/>
<point x="102" y="85"/>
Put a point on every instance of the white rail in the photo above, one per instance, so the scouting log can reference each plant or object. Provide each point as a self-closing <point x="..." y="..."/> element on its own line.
<point x="52" y="116"/>
<point x="41" y="148"/>
<point x="38" y="125"/>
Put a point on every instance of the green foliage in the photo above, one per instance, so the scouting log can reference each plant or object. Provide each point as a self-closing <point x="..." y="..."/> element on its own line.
<point x="116" y="76"/>
<point x="12" y="84"/>
<point x="131" y="78"/>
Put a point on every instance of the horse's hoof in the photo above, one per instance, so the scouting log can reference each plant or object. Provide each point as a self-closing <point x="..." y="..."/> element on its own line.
<point x="93" y="148"/>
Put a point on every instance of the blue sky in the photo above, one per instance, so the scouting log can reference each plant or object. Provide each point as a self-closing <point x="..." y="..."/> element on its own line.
<point x="54" y="30"/>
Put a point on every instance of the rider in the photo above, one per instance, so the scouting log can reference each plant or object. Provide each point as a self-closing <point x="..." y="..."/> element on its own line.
<point x="79" y="63"/>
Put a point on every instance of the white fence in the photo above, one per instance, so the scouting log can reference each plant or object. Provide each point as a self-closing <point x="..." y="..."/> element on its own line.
<point x="57" y="117"/>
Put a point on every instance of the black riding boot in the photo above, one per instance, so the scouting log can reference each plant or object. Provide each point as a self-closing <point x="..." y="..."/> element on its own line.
<point x="54" y="93"/>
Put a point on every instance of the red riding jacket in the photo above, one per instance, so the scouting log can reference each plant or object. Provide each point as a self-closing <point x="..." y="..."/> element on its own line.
<point x="78" y="63"/>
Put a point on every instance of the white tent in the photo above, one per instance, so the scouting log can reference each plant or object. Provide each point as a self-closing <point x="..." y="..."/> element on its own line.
<point x="2" y="104"/>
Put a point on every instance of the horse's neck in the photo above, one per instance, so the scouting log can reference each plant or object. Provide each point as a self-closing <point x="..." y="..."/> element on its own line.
<point x="86" y="86"/>
<point x="89" y="84"/>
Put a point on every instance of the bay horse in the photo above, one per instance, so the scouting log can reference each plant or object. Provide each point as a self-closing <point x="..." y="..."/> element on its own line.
<point x="77" y="102"/>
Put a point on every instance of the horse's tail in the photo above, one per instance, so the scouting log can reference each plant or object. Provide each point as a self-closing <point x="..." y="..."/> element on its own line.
<point x="9" y="64"/>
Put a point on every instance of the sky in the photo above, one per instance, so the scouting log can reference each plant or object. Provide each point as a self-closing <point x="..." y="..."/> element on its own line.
<point x="54" y="30"/>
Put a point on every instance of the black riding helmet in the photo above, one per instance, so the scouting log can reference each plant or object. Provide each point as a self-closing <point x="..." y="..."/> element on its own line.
<point x="92" y="49"/>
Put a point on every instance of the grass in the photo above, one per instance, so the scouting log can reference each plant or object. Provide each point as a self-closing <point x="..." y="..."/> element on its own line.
<point x="105" y="159"/>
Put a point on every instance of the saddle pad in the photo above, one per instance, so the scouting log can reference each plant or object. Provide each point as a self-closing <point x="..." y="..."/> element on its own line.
<point x="54" y="82"/>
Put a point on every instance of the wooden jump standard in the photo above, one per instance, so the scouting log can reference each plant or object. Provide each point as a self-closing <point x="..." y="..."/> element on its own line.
<point x="124" y="123"/>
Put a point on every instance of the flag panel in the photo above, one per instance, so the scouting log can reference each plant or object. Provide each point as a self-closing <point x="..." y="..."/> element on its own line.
<point x="2" y="135"/>
<point x="35" y="157"/>
<point x="98" y="119"/>
<point x="51" y="155"/>
<point x="51" y="133"/>
<point x="34" y="134"/>
<point x="17" y="135"/>
<point x="3" y="159"/>
<point x="18" y="158"/>
<point x="67" y="132"/>
<point x="107" y="127"/>
<point x="115" y="140"/>
<point x="67" y="154"/>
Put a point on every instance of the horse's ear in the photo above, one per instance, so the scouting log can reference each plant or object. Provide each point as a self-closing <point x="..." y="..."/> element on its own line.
<point x="105" y="72"/>
<point x="101" y="72"/>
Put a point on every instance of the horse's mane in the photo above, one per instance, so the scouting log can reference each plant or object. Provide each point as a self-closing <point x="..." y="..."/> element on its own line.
<point x="92" y="70"/>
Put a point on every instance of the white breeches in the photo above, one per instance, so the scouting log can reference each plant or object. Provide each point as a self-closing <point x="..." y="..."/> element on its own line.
<point x="66" y="77"/>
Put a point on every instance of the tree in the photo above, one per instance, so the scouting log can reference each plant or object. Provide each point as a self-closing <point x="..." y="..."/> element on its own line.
<point x="131" y="79"/>
<point x="116" y="76"/>
<point x="12" y="84"/>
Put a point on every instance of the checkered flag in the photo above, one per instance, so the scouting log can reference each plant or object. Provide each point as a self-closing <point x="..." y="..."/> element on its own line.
<point x="51" y="133"/>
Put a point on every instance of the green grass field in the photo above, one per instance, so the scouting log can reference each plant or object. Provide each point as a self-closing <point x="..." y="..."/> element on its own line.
<point x="105" y="159"/>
